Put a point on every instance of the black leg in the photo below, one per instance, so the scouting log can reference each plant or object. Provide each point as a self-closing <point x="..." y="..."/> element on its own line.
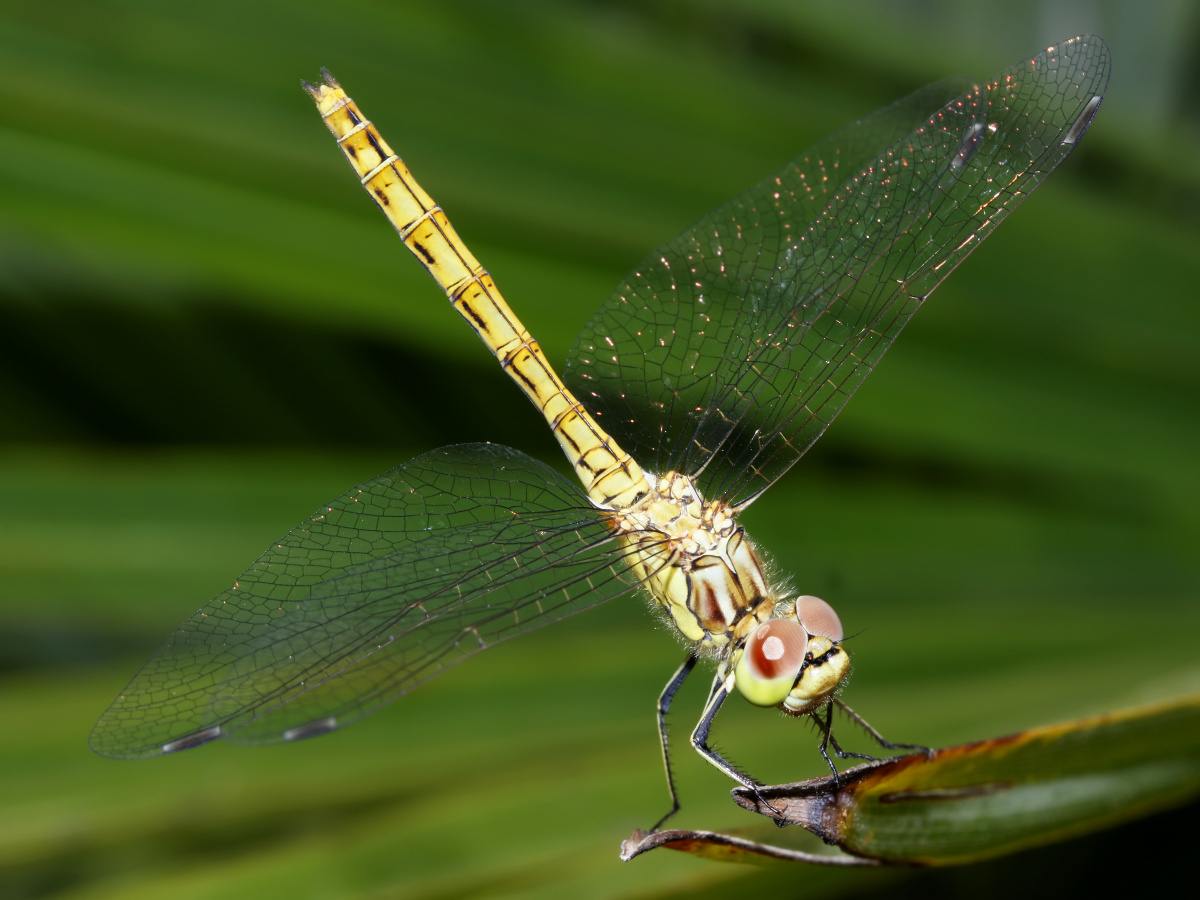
<point x="846" y="754"/>
<point x="716" y="697"/>
<point x="826" y="726"/>
<point x="664" y="706"/>
<point x="827" y="740"/>
<point x="887" y="745"/>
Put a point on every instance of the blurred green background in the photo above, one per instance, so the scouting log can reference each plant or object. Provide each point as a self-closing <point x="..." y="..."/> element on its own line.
<point x="207" y="330"/>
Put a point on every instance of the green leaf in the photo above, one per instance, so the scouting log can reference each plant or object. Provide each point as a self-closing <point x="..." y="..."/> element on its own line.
<point x="975" y="801"/>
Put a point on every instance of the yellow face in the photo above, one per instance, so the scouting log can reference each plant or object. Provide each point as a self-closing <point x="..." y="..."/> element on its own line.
<point x="828" y="665"/>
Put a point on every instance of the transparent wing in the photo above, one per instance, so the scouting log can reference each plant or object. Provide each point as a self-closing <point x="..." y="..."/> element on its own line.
<point x="379" y="591"/>
<point x="729" y="350"/>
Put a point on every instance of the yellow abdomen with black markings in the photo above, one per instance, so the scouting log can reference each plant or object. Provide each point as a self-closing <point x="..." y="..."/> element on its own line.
<point x="612" y="479"/>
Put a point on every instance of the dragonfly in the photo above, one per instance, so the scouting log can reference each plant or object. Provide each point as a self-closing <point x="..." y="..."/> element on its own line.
<point x="706" y="375"/>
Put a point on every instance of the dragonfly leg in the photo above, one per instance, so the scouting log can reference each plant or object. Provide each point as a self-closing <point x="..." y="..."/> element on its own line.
<point x="887" y="745"/>
<point x="825" y="723"/>
<point x="828" y="740"/>
<point x="826" y="726"/>
<point x="664" y="706"/>
<point x="716" y="698"/>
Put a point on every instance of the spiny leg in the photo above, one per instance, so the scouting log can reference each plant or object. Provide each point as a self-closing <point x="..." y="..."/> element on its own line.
<point x="827" y="739"/>
<point x="664" y="706"/>
<point x="878" y="738"/>
<point x="826" y="726"/>
<point x="716" y="697"/>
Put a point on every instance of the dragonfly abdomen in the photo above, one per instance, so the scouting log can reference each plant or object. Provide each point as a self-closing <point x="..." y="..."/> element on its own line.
<point x="609" y="475"/>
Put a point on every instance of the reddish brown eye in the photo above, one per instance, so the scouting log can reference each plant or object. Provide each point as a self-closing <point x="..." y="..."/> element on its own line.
<point x="776" y="648"/>
<point x="770" y="661"/>
<point x="818" y="618"/>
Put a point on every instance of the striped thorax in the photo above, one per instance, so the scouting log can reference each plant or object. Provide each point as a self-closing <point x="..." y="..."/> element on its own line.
<point x="695" y="560"/>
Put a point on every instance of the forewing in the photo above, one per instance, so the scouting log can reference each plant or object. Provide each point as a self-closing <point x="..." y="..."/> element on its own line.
<point x="729" y="350"/>
<point x="379" y="591"/>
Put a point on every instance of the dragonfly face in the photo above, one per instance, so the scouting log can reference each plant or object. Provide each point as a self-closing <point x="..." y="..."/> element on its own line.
<point x="706" y="375"/>
<point x="793" y="660"/>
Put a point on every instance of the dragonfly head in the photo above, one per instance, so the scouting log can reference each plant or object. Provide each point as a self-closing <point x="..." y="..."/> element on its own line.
<point x="795" y="661"/>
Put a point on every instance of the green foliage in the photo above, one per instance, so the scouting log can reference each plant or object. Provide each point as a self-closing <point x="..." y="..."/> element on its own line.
<point x="208" y="331"/>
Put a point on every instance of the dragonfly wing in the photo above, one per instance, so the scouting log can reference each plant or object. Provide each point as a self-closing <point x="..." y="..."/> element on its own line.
<point x="379" y="591"/>
<point x="729" y="350"/>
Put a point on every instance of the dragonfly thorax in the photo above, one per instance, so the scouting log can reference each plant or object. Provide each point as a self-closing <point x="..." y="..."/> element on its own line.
<point x="702" y="570"/>
<point x="696" y="561"/>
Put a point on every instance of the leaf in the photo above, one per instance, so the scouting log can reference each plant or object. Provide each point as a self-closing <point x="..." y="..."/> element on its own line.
<point x="975" y="801"/>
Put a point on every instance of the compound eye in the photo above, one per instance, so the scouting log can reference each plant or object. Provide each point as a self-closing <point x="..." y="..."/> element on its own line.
<point x="770" y="661"/>
<point x="818" y="618"/>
